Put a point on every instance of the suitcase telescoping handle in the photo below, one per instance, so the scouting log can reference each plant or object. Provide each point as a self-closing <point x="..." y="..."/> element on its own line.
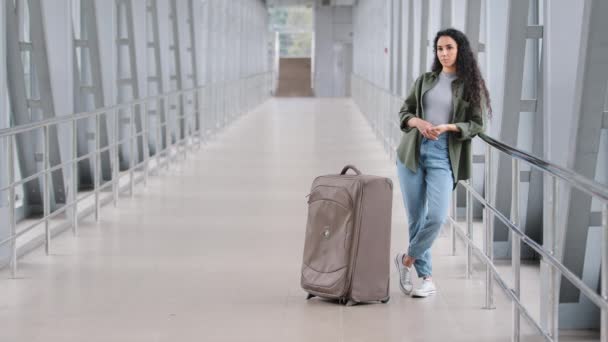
<point x="345" y="169"/>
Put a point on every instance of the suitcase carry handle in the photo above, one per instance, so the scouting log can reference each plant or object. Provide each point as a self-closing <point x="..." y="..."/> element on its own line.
<point x="345" y="169"/>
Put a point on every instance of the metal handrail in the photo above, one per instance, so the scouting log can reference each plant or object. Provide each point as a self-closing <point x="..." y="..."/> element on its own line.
<point x="4" y="132"/>
<point x="575" y="179"/>
<point x="256" y="88"/>
<point x="557" y="269"/>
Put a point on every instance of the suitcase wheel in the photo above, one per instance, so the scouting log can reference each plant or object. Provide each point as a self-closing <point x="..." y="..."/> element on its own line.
<point x="385" y="300"/>
<point x="310" y="296"/>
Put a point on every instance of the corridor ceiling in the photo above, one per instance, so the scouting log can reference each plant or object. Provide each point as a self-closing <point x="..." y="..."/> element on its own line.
<point x="309" y="2"/>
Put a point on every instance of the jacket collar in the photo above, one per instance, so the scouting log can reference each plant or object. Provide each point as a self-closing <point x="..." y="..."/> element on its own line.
<point x="432" y="80"/>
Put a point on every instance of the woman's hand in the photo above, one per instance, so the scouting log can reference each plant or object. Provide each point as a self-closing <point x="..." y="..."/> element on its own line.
<point x="424" y="127"/>
<point x="440" y="129"/>
<point x="429" y="131"/>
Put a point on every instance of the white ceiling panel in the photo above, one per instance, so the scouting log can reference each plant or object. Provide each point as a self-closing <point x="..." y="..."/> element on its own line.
<point x="279" y="3"/>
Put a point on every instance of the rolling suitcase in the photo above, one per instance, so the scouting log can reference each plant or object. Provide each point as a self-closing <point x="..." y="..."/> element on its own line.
<point x="347" y="245"/>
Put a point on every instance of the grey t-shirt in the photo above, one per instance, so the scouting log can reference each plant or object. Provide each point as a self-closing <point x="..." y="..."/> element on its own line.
<point x="437" y="101"/>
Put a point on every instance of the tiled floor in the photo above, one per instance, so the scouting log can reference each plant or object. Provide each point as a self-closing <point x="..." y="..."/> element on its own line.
<point x="211" y="251"/>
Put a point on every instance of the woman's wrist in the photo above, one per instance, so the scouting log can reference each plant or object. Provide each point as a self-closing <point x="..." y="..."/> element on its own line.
<point x="453" y="128"/>
<point x="412" y="122"/>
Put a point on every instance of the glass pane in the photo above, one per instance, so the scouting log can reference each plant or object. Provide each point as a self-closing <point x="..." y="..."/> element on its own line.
<point x="295" y="26"/>
<point x="76" y="14"/>
<point x="291" y="18"/>
<point x="295" y="44"/>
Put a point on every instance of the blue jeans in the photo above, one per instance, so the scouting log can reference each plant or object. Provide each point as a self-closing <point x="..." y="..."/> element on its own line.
<point x="426" y="195"/>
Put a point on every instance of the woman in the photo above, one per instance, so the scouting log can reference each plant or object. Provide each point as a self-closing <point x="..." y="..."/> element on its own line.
<point x="440" y="116"/>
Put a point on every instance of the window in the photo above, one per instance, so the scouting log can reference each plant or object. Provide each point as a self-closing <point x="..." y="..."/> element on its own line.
<point x="295" y="27"/>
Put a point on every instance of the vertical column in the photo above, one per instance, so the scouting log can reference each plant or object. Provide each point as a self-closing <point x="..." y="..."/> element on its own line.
<point x="469" y="212"/>
<point x="472" y="24"/>
<point x="11" y="206"/>
<point x="489" y="230"/>
<point x="409" y="81"/>
<point x="46" y="164"/>
<point x="515" y="248"/>
<point x="604" y="280"/>
<point x="549" y="277"/>
<point x="472" y="28"/>
<point x="550" y="238"/>
<point x="127" y="79"/>
<point x="519" y="31"/>
<point x="146" y="136"/>
<point x="210" y="53"/>
<point x="424" y="36"/>
<point x="45" y="100"/>
<point x="74" y="192"/>
<point x="97" y="167"/>
<point x="176" y="77"/>
<point x="392" y="14"/>
<point x="453" y="214"/>
<point x="155" y="80"/>
<point x="532" y="178"/>
<point x="194" y="61"/>
<point x="88" y="81"/>
<point x="446" y="14"/>
<point x="7" y="169"/>
<point x="115" y="165"/>
<point x="132" y="142"/>
<point x="34" y="102"/>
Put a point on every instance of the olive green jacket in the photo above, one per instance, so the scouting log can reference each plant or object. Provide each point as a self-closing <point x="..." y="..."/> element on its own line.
<point x="469" y="120"/>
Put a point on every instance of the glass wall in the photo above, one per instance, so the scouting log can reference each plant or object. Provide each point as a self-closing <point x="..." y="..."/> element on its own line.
<point x="295" y="27"/>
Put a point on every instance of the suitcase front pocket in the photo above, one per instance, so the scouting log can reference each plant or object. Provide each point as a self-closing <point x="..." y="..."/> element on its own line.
<point x="327" y="246"/>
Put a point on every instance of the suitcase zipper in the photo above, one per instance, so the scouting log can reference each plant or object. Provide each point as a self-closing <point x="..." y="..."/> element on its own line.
<point x="352" y="202"/>
<point x="329" y="200"/>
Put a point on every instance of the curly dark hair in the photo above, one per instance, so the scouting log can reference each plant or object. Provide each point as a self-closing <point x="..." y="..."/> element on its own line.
<point x="467" y="69"/>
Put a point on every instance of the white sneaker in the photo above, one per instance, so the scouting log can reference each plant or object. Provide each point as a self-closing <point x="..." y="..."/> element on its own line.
<point x="425" y="289"/>
<point x="405" y="275"/>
